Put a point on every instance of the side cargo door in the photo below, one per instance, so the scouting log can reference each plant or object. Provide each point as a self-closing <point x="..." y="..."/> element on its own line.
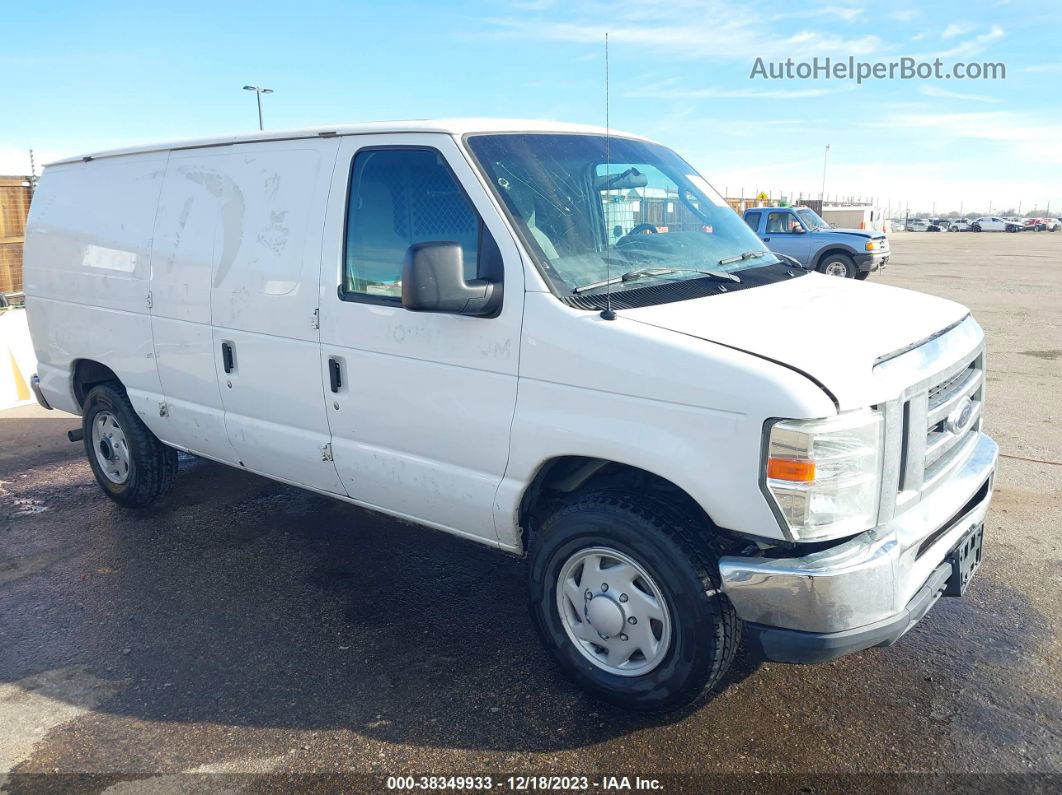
<point x="420" y="404"/>
<point x="264" y="282"/>
<point x="190" y="212"/>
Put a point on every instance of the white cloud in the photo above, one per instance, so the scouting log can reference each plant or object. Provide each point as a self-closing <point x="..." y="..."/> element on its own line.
<point x="846" y="13"/>
<point x="737" y="93"/>
<point x="1003" y="126"/>
<point x="956" y="29"/>
<point x="1044" y="68"/>
<point x="975" y="45"/>
<point x="722" y="30"/>
<point x="943" y="93"/>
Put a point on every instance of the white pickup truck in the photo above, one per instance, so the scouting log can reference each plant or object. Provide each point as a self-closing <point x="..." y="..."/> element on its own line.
<point x="541" y="337"/>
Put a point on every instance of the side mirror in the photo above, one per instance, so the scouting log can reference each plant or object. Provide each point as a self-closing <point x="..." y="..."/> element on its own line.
<point x="433" y="280"/>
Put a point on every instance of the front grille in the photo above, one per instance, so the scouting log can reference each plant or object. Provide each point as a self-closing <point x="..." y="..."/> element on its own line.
<point x="941" y="392"/>
<point x="953" y="418"/>
<point x="934" y="423"/>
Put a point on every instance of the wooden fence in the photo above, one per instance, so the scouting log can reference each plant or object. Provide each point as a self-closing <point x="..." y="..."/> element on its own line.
<point x="14" y="207"/>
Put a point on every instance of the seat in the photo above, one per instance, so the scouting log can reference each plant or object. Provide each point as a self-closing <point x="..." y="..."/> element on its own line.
<point x="523" y="199"/>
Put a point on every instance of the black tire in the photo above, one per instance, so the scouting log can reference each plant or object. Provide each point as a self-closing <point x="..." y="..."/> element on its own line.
<point x="975" y="228"/>
<point x="679" y="554"/>
<point x="838" y="259"/>
<point x="152" y="465"/>
<point x="862" y="275"/>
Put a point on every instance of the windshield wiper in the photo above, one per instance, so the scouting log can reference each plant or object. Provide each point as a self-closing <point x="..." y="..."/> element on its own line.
<point x="743" y="257"/>
<point x="641" y="273"/>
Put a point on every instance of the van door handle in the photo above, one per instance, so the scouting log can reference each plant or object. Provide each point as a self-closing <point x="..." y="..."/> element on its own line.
<point x="227" y="358"/>
<point x="335" y="374"/>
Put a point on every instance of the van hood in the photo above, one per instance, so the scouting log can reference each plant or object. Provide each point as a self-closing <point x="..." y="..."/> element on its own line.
<point x="832" y="330"/>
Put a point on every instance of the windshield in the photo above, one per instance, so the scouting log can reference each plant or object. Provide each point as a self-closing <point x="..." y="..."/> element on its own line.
<point x="640" y="211"/>
<point x="811" y="219"/>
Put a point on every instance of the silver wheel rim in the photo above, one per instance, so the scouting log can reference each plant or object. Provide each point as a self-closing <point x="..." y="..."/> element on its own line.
<point x="835" y="269"/>
<point x="613" y="611"/>
<point x="109" y="444"/>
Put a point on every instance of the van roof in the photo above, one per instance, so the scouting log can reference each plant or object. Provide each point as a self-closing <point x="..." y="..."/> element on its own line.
<point x="449" y="126"/>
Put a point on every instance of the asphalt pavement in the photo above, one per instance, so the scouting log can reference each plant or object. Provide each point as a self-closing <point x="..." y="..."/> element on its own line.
<point x="245" y="634"/>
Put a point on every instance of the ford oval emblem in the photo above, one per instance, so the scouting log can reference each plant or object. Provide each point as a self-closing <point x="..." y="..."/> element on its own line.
<point x="960" y="416"/>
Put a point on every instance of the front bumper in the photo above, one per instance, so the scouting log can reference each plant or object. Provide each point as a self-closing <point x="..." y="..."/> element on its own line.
<point x="871" y="261"/>
<point x="867" y="591"/>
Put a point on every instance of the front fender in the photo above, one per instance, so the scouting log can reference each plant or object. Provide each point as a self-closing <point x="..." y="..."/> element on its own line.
<point x="830" y="247"/>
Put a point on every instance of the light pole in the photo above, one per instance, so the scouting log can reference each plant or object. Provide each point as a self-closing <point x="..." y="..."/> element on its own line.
<point x="822" y="195"/>
<point x="258" y="91"/>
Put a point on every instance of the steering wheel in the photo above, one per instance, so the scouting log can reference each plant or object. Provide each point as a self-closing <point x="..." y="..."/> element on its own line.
<point x="650" y="228"/>
<point x="632" y="236"/>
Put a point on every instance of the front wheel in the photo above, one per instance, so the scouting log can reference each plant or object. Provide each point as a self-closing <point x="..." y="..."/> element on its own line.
<point x="130" y="463"/>
<point x="838" y="265"/>
<point x="625" y="595"/>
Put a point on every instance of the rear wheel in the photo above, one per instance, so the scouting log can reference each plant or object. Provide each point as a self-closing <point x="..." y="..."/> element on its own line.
<point x="625" y="595"/>
<point x="838" y="265"/>
<point x="130" y="463"/>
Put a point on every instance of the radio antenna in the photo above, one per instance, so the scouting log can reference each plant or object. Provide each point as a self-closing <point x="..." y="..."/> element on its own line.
<point x="607" y="313"/>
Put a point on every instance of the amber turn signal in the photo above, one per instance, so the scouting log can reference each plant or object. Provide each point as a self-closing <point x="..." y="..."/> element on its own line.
<point x="800" y="470"/>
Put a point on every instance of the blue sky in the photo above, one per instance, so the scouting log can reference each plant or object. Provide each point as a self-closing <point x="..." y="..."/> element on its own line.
<point x="85" y="76"/>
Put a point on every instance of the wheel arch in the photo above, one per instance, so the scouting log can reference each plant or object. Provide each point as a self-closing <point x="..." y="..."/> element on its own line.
<point x="561" y="476"/>
<point x="834" y="248"/>
<point x="87" y="373"/>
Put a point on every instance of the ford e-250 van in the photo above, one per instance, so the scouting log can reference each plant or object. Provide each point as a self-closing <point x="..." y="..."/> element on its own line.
<point x="542" y="338"/>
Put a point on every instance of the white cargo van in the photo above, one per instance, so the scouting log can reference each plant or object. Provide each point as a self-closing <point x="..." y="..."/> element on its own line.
<point x="535" y="336"/>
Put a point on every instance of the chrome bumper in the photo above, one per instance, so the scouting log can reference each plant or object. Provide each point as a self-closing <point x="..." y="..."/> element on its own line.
<point x="35" y="386"/>
<point x="873" y="580"/>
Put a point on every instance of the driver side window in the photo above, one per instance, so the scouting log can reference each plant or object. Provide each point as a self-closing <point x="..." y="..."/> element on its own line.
<point x="399" y="197"/>
<point x="780" y="223"/>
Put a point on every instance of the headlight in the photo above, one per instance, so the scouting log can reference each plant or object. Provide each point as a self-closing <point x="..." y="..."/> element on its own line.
<point x="871" y="245"/>
<point x="824" y="476"/>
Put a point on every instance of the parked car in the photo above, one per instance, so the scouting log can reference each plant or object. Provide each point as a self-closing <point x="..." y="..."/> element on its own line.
<point x="896" y="225"/>
<point x="800" y="233"/>
<point x="938" y="225"/>
<point x="691" y="440"/>
<point x="993" y="223"/>
<point x="917" y="224"/>
<point x="1034" y="225"/>
<point x="959" y="225"/>
<point x="1052" y="224"/>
